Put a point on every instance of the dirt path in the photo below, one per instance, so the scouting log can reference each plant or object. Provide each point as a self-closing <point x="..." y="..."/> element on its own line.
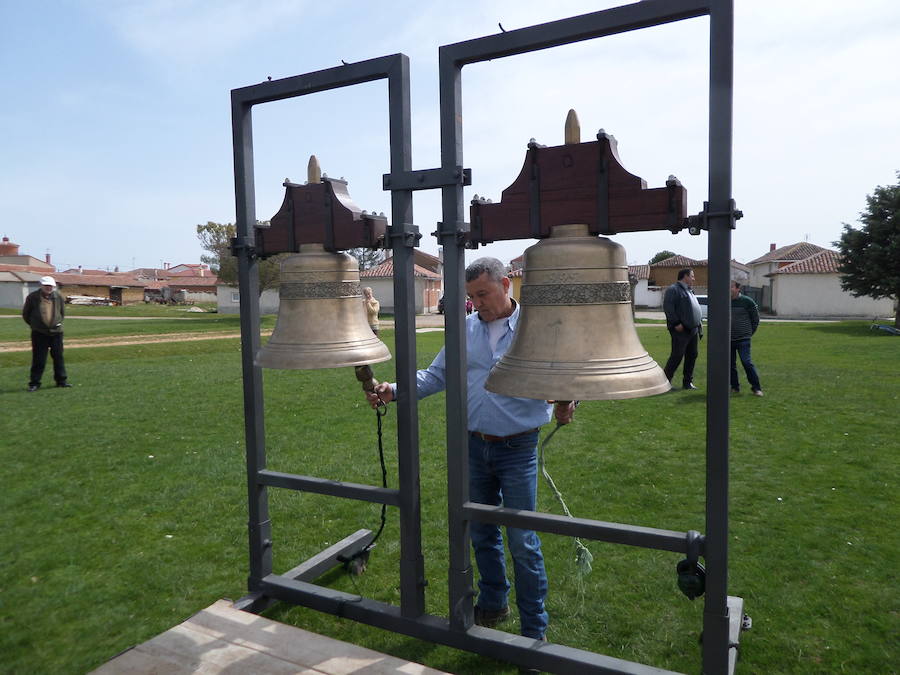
<point x="122" y="340"/>
<point x="422" y="323"/>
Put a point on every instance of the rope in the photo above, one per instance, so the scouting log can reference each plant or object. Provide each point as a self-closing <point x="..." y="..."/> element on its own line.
<point x="583" y="557"/>
<point x="363" y="553"/>
<point x="380" y="412"/>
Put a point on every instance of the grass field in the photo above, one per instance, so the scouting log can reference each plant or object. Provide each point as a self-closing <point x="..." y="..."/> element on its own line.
<point x="124" y="503"/>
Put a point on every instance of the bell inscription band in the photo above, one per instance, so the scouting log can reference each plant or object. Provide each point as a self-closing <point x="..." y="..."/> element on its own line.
<point x="321" y="319"/>
<point x="576" y="338"/>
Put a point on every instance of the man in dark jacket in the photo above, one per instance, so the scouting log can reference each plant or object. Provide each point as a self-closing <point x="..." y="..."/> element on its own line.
<point x="683" y="321"/>
<point x="44" y="311"/>
<point x="744" y="321"/>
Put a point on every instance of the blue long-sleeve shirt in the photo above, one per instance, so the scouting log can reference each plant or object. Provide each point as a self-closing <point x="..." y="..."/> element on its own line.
<point x="488" y="412"/>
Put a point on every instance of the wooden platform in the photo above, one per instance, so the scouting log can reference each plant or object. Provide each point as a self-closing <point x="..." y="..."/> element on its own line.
<point x="221" y="639"/>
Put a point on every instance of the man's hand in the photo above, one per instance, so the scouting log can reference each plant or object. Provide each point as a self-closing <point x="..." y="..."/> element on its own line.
<point x="564" y="411"/>
<point x="382" y="394"/>
<point x="680" y="328"/>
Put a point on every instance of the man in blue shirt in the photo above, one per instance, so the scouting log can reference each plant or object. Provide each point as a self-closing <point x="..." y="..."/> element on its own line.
<point x="503" y="438"/>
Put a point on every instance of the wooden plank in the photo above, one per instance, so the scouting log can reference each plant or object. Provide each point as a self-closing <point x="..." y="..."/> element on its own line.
<point x="221" y="638"/>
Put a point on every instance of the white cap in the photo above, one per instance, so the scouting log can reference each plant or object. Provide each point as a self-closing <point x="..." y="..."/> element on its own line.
<point x="48" y="281"/>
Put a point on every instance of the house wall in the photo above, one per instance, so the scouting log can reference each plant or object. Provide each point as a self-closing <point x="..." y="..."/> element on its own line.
<point x="813" y="295"/>
<point x="129" y="295"/>
<point x="666" y="276"/>
<point x="758" y="274"/>
<point x="200" y="296"/>
<point x="646" y="295"/>
<point x="426" y="292"/>
<point x="13" y="293"/>
<point x="228" y="300"/>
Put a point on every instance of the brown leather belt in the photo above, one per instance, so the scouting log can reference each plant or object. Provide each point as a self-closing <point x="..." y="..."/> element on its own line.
<point x="490" y="438"/>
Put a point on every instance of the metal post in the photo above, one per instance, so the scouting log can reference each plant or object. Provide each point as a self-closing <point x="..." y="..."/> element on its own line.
<point x="721" y="220"/>
<point x="404" y="236"/>
<point x="259" y="526"/>
<point x="460" y="566"/>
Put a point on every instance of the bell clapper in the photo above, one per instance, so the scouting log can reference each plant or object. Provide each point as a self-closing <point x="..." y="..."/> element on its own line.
<point x="366" y="378"/>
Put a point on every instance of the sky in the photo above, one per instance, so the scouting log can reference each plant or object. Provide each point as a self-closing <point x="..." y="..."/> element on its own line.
<point x="117" y="124"/>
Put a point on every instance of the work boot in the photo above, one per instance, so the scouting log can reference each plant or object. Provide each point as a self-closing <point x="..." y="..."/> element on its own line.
<point x="490" y="617"/>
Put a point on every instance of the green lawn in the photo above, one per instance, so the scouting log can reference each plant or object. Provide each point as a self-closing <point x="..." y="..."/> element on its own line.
<point x="124" y="503"/>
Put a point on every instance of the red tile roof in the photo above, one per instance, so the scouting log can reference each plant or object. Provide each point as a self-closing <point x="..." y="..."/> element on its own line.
<point x="639" y="271"/>
<point x="825" y="261"/>
<point x="386" y="269"/>
<point x="191" y="281"/>
<point x="98" y="280"/>
<point x="799" y="251"/>
<point x="680" y="261"/>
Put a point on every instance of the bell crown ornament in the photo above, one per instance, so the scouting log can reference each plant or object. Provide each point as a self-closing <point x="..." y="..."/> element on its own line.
<point x="321" y="320"/>
<point x="575" y="338"/>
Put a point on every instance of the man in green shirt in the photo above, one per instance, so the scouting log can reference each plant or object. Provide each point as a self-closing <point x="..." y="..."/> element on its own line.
<point x="744" y="322"/>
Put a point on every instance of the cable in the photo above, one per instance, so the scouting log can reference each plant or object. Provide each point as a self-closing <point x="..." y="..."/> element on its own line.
<point x="583" y="557"/>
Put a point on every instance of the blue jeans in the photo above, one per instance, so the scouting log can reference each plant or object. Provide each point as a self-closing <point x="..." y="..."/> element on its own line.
<point x="505" y="472"/>
<point x="742" y="348"/>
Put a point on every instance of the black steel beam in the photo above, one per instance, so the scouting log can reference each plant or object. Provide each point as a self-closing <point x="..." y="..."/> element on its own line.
<point x="721" y="221"/>
<point x="321" y="80"/>
<point x="427" y="179"/>
<point x="615" y="533"/>
<point x="496" y="644"/>
<point x="335" y="488"/>
<point x="575" y="29"/>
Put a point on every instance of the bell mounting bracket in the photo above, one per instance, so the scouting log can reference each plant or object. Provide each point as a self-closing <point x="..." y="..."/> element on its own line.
<point x="320" y="213"/>
<point x="577" y="183"/>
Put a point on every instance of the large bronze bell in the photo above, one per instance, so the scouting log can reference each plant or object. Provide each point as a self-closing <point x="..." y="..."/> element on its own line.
<point x="575" y="338"/>
<point x="321" y="319"/>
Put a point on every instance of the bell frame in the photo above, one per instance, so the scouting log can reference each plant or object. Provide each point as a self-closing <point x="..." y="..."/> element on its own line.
<point x="722" y="613"/>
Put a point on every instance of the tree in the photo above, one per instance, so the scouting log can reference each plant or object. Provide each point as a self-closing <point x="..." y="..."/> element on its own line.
<point x="870" y="256"/>
<point x="662" y="255"/>
<point x="216" y="239"/>
<point x="367" y="257"/>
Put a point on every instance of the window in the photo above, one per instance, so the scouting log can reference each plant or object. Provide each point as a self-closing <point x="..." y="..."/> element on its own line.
<point x="235" y="296"/>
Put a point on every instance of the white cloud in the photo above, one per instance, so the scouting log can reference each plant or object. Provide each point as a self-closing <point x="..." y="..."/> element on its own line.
<point x="180" y="31"/>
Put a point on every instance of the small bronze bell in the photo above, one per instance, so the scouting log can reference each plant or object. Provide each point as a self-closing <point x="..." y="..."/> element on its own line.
<point x="575" y="338"/>
<point x="321" y="319"/>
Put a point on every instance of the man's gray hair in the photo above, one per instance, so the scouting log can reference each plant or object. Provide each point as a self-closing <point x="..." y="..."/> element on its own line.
<point x="493" y="267"/>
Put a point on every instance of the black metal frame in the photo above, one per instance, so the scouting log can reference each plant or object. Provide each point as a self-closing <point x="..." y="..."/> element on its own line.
<point x="721" y="613"/>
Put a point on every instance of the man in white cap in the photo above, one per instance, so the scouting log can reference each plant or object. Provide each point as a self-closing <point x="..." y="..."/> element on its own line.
<point x="44" y="311"/>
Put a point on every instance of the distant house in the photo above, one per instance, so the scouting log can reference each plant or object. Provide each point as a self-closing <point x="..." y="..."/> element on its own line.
<point x="665" y="273"/>
<point x="193" y="283"/>
<point x="644" y="294"/>
<point x="122" y="289"/>
<point x="428" y="283"/>
<point x="19" y="274"/>
<point x="15" y="287"/>
<point x="10" y="256"/>
<point x="811" y="287"/>
<point x="427" y="270"/>
<point x="762" y="267"/>
<point x="228" y="300"/>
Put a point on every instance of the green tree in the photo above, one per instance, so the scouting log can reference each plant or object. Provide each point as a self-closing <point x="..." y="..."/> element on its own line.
<point x="662" y="255"/>
<point x="367" y="257"/>
<point x="870" y="256"/>
<point x="215" y="238"/>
